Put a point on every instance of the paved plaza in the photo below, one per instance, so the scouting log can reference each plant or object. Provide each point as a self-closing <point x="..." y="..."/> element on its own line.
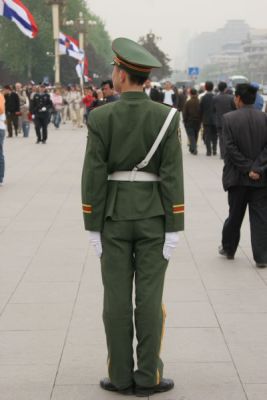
<point x="52" y="343"/>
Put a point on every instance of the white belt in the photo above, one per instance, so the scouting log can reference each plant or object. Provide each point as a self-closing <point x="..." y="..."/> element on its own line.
<point x="133" y="176"/>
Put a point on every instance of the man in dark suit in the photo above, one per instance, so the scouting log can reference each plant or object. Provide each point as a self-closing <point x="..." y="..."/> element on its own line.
<point x="245" y="174"/>
<point x="152" y="92"/>
<point x="12" y="110"/>
<point x="222" y="103"/>
<point x="208" y="119"/>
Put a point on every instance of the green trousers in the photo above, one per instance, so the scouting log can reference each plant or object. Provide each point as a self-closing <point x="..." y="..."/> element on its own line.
<point x="132" y="253"/>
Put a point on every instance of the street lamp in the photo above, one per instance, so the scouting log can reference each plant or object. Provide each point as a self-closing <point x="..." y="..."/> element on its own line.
<point x="56" y="4"/>
<point x="81" y="25"/>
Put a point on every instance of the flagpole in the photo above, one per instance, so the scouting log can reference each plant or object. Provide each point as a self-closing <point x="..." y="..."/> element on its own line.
<point x="55" y="16"/>
<point x="81" y="31"/>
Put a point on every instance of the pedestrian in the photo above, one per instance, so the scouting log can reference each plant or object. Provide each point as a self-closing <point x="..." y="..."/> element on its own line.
<point x="208" y="120"/>
<point x="58" y="105"/>
<point x="108" y="91"/>
<point x="12" y="106"/>
<point x="87" y="100"/>
<point x="152" y="92"/>
<point x="25" y="121"/>
<point x="41" y="108"/>
<point x="192" y="120"/>
<point x="222" y="103"/>
<point x="259" y="102"/>
<point x="133" y="210"/>
<point x="2" y="136"/>
<point x="245" y="174"/>
<point x="169" y="96"/>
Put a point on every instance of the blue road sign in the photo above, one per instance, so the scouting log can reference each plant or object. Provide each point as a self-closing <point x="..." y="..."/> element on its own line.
<point x="193" y="71"/>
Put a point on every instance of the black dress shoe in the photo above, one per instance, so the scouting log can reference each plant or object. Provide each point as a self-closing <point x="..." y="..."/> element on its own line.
<point x="261" y="265"/>
<point x="38" y="141"/>
<point x="223" y="252"/>
<point x="107" y="385"/>
<point x="164" y="386"/>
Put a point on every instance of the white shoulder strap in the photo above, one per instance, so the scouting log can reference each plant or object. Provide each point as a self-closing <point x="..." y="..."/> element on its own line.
<point x="157" y="142"/>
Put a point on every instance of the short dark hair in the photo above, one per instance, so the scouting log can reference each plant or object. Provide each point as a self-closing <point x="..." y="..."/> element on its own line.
<point x="193" y="92"/>
<point x="107" y="82"/>
<point x="137" y="79"/>
<point x="222" y="86"/>
<point x="246" y="92"/>
<point x="209" y="86"/>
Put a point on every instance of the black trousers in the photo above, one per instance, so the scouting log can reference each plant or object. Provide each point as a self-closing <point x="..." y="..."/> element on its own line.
<point x="41" y="123"/>
<point x="12" y="121"/>
<point x="221" y="142"/>
<point x="210" y="138"/>
<point x="192" y="130"/>
<point x="256" y="199"/>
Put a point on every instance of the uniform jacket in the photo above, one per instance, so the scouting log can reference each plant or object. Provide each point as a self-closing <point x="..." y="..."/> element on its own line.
<point x="39" y="101"/>
<point x="245" y="135"/>
<point x="206" y="109"/>
<point x="120" y="134"/>
<point x="222" y="104"/>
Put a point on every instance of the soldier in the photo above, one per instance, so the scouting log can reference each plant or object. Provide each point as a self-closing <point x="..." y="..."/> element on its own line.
<point x="41" y="106"/>
<point x="132" y="193"/>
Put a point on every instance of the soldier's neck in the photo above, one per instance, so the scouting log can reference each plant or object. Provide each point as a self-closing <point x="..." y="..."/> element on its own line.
<point x="131" y="88"/>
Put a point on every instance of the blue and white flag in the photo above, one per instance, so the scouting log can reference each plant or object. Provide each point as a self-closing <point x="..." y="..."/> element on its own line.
<point x="15" y="11"/>
<point x="69" y="46"/>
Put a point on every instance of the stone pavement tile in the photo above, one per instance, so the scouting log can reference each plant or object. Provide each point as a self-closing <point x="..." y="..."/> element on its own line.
<point x="10" y="259"/>
<point x="220" y="274"/>
<point x="86" y="392"/>
<point x="35" y="317"/>
<point x="184" y="290"/>
<point x="10" y="276"/>
<point x="256" y="391"/>
<point x="26" y="382"/>
<point x="53" y="273"/>
<point x="200" y="381"/>
<point x="88" y="315"/>
<point x="180" y="269"/>
<point x="36" y="347"/>
<point x="52" y="255"/>
<point x="83" y="362"/>
<point x="6" y="290"/>
<point x="190" y="315"/>
<point x="194" y="345"/>
<point x="45" y="292"/>
<point x="246" y="334"/>
<point x="239" y="301"/>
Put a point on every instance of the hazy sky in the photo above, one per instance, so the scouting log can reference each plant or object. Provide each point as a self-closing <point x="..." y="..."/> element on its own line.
<point x="173" y="20"/>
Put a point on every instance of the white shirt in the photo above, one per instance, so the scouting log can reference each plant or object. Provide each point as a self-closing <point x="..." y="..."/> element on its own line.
<point x="148" y="90"/>
<point x="168" y="97"/>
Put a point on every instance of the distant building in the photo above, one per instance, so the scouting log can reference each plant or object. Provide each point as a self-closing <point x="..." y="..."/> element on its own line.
<point x="208" y="44"/>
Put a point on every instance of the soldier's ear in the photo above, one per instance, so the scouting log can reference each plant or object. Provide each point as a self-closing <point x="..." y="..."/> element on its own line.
<point x="123" y="76"/>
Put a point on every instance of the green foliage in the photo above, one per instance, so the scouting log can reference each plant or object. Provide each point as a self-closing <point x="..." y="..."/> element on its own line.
<point x="149" y="41"/>
<point x="27" y="59"/>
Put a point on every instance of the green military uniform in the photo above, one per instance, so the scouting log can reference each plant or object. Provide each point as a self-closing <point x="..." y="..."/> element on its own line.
<point x="132" y="218"/>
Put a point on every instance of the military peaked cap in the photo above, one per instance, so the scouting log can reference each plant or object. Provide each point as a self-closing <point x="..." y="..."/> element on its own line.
<point x="133" y="58"/>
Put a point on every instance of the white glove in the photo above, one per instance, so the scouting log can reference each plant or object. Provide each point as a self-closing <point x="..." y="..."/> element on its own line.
<point x="95" y="240"/>
<point x="171" y="241"/>
<point x="33" y="116"/>
<point x="43" y="109"/>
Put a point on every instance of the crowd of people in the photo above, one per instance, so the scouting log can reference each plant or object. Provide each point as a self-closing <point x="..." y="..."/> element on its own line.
<point x="39" y="105"/>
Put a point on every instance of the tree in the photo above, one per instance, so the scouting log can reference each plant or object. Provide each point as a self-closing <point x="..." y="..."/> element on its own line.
<point x="149" y="41"/>
<point x="27" y="59"/>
